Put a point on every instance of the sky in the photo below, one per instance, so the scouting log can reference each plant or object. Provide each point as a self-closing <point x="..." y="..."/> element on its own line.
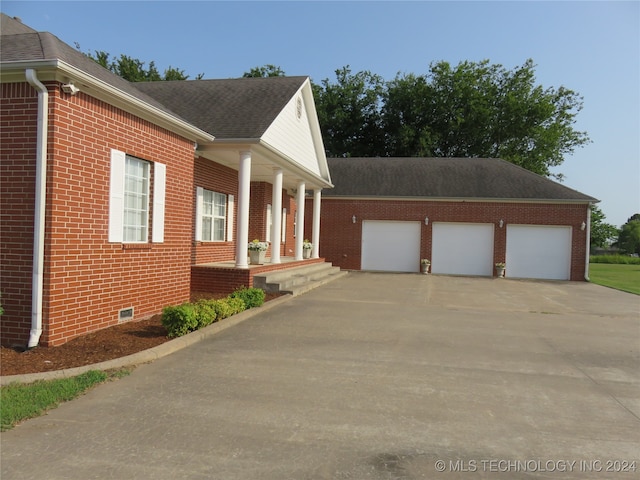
<point x="592" y="48"/>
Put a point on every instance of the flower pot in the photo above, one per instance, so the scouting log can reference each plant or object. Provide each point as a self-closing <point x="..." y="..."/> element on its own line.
<point x="256" y="257"/>
<point x="500" y="272"/>
<point x="306" y="253"/>
<point x="425" y="268"/>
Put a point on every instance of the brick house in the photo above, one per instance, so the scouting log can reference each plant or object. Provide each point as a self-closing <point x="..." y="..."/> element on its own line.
<point x="463" y="214"/>
<point x="112" y="194"/>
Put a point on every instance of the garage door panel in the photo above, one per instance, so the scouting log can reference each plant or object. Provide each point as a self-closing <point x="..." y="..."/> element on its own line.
<point x="538" y="251"/>
<point x="462" y="249"/>
<point x="391" y="246"/>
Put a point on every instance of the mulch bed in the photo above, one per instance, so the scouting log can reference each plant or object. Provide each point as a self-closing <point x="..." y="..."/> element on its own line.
<point x="106" y="344"/>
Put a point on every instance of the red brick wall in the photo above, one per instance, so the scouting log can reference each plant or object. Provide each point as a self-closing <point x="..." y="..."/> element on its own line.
<point x="87" y="279"/>
<point x="18" y="117"/>
<point x="340" y="239"/>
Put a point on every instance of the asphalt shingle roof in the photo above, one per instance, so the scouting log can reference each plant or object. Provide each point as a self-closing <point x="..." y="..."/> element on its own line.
<point x="21" y="43"/>
<point x="472" y="178"/>
<point x="238" y="108"/>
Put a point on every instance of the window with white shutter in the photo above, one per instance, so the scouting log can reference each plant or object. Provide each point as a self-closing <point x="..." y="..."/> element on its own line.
<point x="129" y="199"/>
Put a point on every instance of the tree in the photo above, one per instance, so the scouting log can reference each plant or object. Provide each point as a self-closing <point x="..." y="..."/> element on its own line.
<point x="629" y="238"/>
<point x="471" y="110"/>
<point x="134" y="70"/>
<point x="602" y="233"/>
<point x="349" y="114"/>
<point x="264" y="71"/>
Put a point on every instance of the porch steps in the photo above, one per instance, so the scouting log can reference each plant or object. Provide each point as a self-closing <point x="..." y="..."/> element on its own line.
<point x="297" y="280"/>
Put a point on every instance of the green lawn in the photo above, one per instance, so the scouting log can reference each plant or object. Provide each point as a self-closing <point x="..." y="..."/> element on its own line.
<point x="621" y="277"/>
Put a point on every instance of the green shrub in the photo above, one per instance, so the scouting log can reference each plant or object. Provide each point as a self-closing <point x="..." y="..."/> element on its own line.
<point x="206" y="313"/>
<point x="615" y="259"/>
<point x="223" y="310"/>
<point x="236" y="305"/>
<point x="180" y="319"/>
<point x="252" y="297"/>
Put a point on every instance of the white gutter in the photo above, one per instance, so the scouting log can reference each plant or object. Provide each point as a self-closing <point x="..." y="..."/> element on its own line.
<point x="39" y="214"/>
<point x="588" y="249"/>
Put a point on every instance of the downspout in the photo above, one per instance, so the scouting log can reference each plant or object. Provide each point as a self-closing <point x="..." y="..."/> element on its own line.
<point x="40" y="204"/>
<point x="588" y="247"/>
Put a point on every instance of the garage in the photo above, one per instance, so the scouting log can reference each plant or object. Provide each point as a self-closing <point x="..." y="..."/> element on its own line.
<point x="538" y="251"/>
<point x="462" y="249"/>
<point x="391" y="246"/>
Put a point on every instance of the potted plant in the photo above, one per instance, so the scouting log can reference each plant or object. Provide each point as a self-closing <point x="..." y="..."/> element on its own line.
<point x="306" y="248"/>
<point x="257" y="252"/>
<point x="425" y="264"/>
<point x="500" y="266"/>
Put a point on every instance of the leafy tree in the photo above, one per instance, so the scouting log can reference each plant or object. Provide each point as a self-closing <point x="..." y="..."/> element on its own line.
<point x="602" y="233"/>
<point x="264" y="71"/>
<point x="349" y="114"/>
<point x="471" y="110"/>
<point x="134" y="70"/>
<point x="629" y="238"/>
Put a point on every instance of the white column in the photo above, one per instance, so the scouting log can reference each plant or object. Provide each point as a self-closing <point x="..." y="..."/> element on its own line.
<point x="300" y="219"/>
<point x="315" y="252"/>
<point x="244" y="189"/>
<point x="276" y="215"/>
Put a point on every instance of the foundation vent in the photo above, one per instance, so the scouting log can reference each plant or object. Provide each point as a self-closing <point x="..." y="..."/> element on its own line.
<point x="125" y="314"/>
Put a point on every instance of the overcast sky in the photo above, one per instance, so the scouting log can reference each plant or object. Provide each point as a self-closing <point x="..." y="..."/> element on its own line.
<point x="592" y="48"/>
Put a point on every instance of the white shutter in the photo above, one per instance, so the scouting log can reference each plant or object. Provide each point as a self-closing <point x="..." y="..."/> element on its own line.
<point x="116" y="196"/>
<point x="230" y="207"/>
<point x="159" y="193"/>
<point x="284" y="225"/>
<point x="268" y="236"/>
<point x="199" y="205"/>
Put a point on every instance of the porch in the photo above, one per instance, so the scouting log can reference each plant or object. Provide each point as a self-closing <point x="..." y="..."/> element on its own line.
<point x="289" y="276"/>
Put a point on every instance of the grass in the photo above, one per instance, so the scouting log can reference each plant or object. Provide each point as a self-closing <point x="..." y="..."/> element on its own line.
<point x="623" y="277"/>
<point x="19" y="402"/>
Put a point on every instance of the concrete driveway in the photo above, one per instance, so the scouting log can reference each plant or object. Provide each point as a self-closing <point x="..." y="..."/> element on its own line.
<point x="373" y="376"/>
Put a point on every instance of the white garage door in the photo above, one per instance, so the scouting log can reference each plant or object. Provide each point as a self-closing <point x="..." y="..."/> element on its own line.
<point x="391" y="246"/>
<point x="538" y="251"/>
<point x="462" y="249"/>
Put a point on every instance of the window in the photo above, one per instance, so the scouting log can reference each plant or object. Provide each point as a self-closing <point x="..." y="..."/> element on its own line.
<point x="211" y="216"/>
<point x="129" y="199"/>
<point x="136" y="200"/>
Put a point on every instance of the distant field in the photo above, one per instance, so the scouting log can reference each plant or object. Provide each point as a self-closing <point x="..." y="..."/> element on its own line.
<point x="621" y="277"/>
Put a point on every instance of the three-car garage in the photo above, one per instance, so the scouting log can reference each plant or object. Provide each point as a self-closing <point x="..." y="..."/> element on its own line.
<point x="463" y="214"/>
<point x="460" y="248"/>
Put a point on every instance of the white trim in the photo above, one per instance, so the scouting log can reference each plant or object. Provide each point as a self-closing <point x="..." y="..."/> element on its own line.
<point x="199" y="206"/>
<point x="284" y="226"/>
<point x="116" y="196"/>
<point x="159" y="197"/>
<point x="230" y="217"/>
<point x="269" y="219"/>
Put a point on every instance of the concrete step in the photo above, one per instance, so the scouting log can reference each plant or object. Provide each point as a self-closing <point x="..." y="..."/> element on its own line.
<point x="297" y="280"/>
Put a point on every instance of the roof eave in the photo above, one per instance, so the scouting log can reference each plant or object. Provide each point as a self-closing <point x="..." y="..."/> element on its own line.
<point x="61" y="71"/>
<point x="461" y="199"/>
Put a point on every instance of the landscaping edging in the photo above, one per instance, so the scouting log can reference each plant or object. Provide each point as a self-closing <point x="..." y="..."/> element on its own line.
<point x="151" y="354"/>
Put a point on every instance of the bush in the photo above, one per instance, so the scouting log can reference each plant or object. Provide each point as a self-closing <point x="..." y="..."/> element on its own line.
<point x="252" y="297"/>
<point x="206" y="313"/>
<point x="222" y="308"/>
<point x="615" y="259"/>
<point x="180" y="319"/>
<point x="236" y="305"/>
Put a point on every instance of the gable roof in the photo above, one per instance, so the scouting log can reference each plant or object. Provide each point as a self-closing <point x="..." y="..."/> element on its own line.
<point x="230" y="109"/>
<point x="22" y="47"/>
<point x="444" y="178"/>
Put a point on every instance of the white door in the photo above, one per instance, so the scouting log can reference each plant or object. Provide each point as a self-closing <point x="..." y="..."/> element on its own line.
<point x="538" y="251"/>
<point x="390" y="246"/>
<point x="462" y="248"/>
